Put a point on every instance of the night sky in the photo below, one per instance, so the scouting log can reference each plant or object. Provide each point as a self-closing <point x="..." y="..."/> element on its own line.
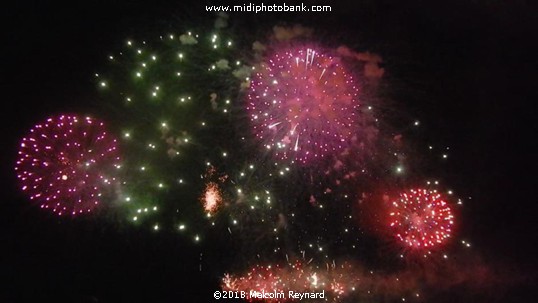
<point x="465" y="69"/>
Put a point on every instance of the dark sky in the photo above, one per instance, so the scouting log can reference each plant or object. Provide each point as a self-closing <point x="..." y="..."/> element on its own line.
<point x="466" y="68"/>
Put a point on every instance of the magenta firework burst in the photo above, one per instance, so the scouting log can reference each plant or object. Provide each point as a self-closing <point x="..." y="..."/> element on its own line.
<point x="421" y="218"/>
<point x="64" y="163"/>
<point x="303" y="104"/>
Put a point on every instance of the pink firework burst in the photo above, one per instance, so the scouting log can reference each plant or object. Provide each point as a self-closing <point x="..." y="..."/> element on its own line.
<point x="303" y="104"/>
<point x="63" y="163"/>
<point x="421" y="218"/>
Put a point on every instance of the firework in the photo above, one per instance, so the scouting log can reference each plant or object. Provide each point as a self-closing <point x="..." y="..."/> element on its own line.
<point x="303" y="104"/>
<point x="421" y="218"/>
<point x="169" y="97"/>
<point x="272" y="279"/>
<point x="239" y="203"/>
<point x="65" y="163"/>
<point x="211" y="198"/>
<point x="335" y="282"/>
<point x="172" y="99"/>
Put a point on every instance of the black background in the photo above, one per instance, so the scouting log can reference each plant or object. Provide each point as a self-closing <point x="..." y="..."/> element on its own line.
<point x="466" y="69"/>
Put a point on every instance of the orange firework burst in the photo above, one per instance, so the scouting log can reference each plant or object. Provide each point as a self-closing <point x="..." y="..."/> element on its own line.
<point x="211" y="198"/>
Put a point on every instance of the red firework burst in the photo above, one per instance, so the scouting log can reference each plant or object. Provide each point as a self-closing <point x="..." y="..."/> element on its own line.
<point x="64" y="162"/>
<point x="421" y="218"/>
